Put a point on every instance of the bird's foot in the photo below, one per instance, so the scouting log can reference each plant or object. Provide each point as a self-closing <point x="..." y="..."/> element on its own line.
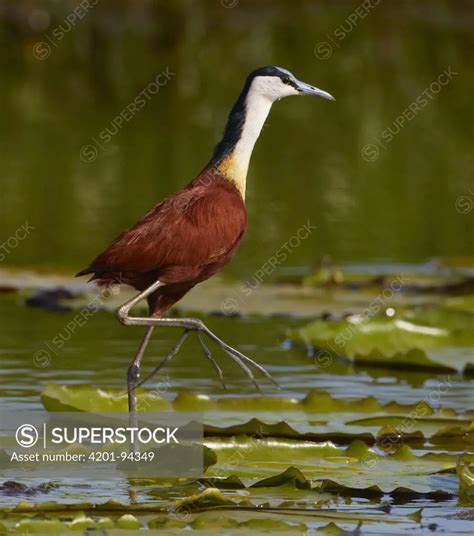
<point x="239" y="358"/>
<point x="200" y="328"/>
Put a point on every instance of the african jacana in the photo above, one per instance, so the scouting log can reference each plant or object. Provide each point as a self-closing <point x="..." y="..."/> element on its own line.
<point x="191" y="235"/>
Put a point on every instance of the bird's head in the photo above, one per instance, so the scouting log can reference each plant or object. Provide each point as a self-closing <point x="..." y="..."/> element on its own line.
<point x="274" y="83"/>
<point x="262" y="88"/>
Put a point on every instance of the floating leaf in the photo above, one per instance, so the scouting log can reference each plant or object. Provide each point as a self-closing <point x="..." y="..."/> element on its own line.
<point x="329" y="276"/>
<point x="417" y="340"/>
<point x="394" y="420"/>
<point x="377" y="491"/>
<point x="318" y="417"/>
<point x="83" y="522"/>
<point x="448" y="433"/>
<point x="40" y="526"/>
<point x="291" y="476"/>
<point x="256" y="463"/>
<point x="466" y="477"/>
<point x="84" y="398"/>
<point x="165" y="523"/>
<point x="207" y="498"/>
<point x="128" y="521"/>
<point x="331" y="529"/>
<point x="11" y="487"/>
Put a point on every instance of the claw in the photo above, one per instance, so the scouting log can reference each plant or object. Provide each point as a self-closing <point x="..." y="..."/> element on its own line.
<point x="244" y="368"/>
<point x="247" y="359"/>
<point x="239" y="358"/>
<point x="234" y="355"/>
<point x="208" y="354"/>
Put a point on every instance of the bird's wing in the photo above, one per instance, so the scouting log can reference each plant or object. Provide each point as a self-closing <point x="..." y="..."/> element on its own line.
<point x="198" y="226"/>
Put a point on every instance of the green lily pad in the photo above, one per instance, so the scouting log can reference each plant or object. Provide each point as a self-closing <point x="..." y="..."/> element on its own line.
<point x="83" y="522"/>
<point x="376" y="491"/>
<point x="466" y="476"/>
<point x="446" y="434"/>
<point x="207" y="498"/>
<point x="40" y="526"/>
<point x="440" y="339"/>
<point x="128" y="521"/>
<point x="317" y="417"/>
<point x="461" y="303"/>
<point x="85" y="398"/>
<point x="257" y="463"/>
<point x="78" y="398"/>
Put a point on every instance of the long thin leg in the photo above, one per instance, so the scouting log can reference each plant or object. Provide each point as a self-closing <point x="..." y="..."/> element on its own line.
<point x="190" y="324"/>
<point x="133" y="374"/>
<point x="168" y="358"/>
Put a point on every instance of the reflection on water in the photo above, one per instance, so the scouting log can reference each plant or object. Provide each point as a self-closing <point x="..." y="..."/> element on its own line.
<point x="99" y="352"/>
<point x="308" y="165"/>
<point x="400" y="200"/>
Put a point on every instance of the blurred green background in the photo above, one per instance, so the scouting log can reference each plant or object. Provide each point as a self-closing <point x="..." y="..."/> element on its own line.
<point x="67" y="76"/>
<point x="307" y="164"/>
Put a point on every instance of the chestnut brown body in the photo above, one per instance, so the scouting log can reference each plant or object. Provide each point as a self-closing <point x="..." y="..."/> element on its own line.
<point x="182" y="241"/>
<point x="190" y="236"/>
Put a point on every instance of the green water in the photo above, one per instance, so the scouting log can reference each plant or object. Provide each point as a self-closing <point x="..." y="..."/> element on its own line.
<point x="411" y="204"/>
<point x="308" y="163"/>
<point x="97" y="355"/>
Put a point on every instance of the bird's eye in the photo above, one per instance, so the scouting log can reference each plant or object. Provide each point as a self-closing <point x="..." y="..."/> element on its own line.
<point x="286" y="79"/>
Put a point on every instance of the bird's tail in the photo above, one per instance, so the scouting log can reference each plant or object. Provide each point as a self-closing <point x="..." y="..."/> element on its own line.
<point x="89" y="271"/>
<point x="86" y="271"/>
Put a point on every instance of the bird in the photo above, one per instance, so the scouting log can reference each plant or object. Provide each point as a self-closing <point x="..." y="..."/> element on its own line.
<point x="191" y="235"/>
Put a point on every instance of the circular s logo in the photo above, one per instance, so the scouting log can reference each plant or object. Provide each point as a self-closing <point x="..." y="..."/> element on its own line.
<point x="27" y="435"/>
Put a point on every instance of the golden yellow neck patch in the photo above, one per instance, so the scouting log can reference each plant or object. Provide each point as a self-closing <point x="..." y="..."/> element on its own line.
<point x="233" y="171"/>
